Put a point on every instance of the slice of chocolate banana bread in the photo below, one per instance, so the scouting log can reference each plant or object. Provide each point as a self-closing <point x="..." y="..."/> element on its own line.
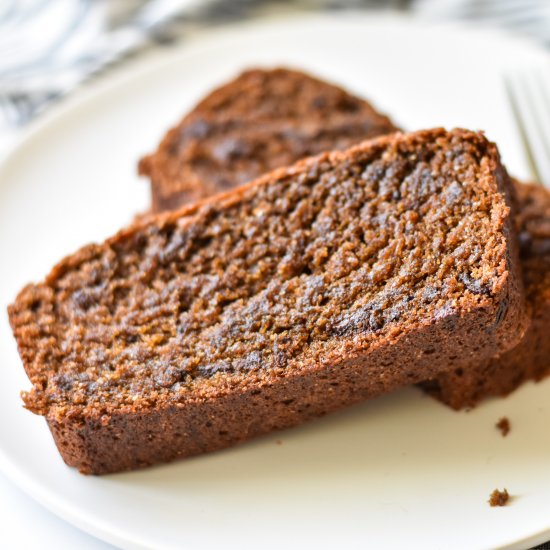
<point x="465" y="387"/>
<point x="262" y="120"/>
<point x="340" y="278"/>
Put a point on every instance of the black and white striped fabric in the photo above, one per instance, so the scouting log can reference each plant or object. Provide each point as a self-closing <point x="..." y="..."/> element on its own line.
<point x="79" y="39"/>
<point x="529" y="17"/>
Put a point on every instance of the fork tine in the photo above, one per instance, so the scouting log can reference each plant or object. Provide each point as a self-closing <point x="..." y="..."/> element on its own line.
<point x="538" y="95"/>
<point x="529" y="112"/>
<point x="534" y="93"/>
<point x="522" y="130"/>
<point x="542" y="91"/>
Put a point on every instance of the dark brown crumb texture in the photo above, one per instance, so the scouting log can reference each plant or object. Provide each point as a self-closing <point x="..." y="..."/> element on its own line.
<point x="263" y="119"/>
<point x="499" y="498"/>
<point x="503" y="425"/>
<point x="340" y="278"/>
<point x="530" y="360"/>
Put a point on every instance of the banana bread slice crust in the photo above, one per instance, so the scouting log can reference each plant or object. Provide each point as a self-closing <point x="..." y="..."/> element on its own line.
<point x="340" y="278"/>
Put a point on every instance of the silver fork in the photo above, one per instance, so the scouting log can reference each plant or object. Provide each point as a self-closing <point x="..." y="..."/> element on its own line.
<point x="529" y="94"/>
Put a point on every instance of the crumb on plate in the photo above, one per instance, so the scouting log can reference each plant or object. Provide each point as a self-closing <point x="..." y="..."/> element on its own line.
<point x="504" y="426"/>
<point x="499" y="498"/>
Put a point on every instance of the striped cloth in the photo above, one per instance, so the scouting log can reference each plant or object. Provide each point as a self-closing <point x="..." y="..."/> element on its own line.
<point x="49" y="48"/>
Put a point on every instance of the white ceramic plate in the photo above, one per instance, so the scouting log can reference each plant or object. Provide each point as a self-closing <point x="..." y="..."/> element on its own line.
<point x="400" y="471"/>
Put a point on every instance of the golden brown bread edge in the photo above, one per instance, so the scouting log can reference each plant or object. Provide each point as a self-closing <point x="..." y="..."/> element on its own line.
<point x="137" y="439"/>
